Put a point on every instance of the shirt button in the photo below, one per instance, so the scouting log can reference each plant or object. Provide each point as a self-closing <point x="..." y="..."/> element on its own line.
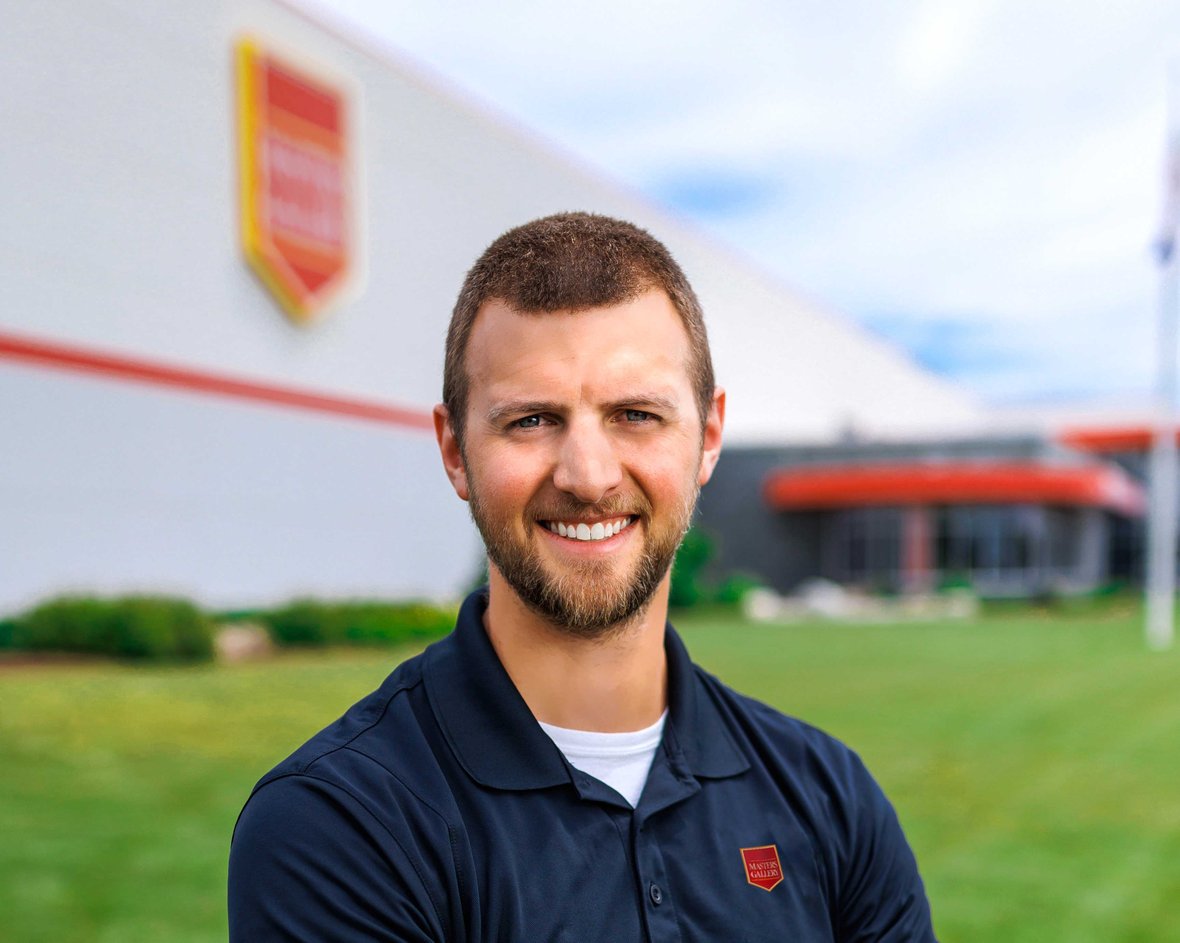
<point x="656" y="895"/>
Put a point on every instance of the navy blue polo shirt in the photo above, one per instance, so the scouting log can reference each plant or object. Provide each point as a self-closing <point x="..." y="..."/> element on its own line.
<point x="437" y="809"/>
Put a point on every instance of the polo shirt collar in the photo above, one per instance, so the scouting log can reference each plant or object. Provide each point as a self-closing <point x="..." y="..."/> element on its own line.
<point x="695" y="723"/>
<point x="498" y="741"/>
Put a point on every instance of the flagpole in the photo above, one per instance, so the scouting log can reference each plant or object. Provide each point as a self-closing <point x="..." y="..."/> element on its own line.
<point x="1162" y="522"/>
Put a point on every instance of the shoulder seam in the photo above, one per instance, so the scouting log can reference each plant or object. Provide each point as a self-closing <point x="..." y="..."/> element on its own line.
<point x="400" y="689"/>
<point x="434" y="902"/>
<point x="393" y="773"/>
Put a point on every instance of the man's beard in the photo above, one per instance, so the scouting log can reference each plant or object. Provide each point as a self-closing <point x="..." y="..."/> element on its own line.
<point x="588" y="599"/>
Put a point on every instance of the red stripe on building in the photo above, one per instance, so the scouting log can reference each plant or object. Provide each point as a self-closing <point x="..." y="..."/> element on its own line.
<point x="815" y="488"/>
<point x="1110" y="440"/>
<point x="65" y="357"/>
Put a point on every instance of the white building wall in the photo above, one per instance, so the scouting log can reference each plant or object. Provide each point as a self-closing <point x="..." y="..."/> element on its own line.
<point x="118" y="195"/>
<point x="119" y="487"/>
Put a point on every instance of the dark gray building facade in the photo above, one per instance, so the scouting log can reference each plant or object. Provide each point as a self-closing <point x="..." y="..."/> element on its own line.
<point x="1008" y="516"/>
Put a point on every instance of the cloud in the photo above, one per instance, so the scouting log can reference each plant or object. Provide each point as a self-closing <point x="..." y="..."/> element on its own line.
<point x="938" y="41"/>
<point x="1061" y="357"/>
<point x="712" y="192"/>
<point x="986" y="171"/>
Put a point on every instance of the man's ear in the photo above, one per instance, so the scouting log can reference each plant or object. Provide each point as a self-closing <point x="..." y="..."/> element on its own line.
<point x="711" y="440"/>
<point x="452" y="455"/>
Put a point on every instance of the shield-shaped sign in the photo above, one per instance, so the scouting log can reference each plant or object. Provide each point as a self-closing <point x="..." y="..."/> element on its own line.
<point x="763" y="868"/>
<point x="296" y="174"/>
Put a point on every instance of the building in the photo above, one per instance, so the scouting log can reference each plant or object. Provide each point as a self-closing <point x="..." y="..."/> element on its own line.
<point x="167" y="427"/>
<point x="1013" y="515"/>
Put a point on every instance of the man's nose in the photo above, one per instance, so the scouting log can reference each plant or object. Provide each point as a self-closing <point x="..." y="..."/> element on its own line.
<point x="587" y="466"/>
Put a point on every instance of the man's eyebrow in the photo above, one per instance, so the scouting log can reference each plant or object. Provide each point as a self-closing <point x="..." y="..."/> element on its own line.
<point x="644" y="401"/>
<point x="502" y="411"/>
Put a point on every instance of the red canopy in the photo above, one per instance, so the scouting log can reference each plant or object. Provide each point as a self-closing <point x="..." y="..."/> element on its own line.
<point x="817" y="487"/>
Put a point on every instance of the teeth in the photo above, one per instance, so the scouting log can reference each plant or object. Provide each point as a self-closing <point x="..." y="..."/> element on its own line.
<point x="583" y="531"/>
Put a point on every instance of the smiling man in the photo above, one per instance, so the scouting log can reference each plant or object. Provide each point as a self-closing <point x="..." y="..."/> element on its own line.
<point x="557" y="768"/>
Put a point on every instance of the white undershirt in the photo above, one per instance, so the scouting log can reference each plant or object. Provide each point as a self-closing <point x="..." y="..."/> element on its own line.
<point x="621" y="760"/>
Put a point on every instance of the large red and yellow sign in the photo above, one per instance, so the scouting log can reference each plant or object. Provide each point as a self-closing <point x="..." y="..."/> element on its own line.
<point x="297" y="189"/>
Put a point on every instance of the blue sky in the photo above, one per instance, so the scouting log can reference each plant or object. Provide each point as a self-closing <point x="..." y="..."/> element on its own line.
<point x="977" y="180"/>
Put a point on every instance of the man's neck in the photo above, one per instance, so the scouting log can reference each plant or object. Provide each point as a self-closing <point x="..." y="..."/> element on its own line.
<point x="614" y="684"/>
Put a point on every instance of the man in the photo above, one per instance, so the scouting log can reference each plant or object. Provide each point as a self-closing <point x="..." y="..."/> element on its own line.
<point x="557" y="769"/>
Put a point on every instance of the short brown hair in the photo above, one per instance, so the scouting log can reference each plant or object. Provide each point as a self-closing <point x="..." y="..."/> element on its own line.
<point x="571" y="262"/>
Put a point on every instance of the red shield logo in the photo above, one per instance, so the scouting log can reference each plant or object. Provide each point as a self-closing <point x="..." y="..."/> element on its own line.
<point x="295" y="180"/>
<point x="763" y="869"/>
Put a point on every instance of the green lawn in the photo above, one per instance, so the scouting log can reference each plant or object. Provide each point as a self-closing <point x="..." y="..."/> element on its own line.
<point x="1034" y="760"/>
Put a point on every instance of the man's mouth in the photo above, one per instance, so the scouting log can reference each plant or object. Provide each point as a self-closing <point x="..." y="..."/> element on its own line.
<point x="580" y="530"/>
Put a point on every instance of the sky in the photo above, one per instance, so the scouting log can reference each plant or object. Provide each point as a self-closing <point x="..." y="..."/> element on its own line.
<point x="979" y="181"/>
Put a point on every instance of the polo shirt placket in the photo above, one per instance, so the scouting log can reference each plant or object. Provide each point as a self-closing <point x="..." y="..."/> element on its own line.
<point x="500" y="744"/>
<point x="668" y="785"/>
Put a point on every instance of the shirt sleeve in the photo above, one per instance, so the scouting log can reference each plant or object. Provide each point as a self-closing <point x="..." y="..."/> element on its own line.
<point x="309" y="862"/>
<point x="881" y="895"/>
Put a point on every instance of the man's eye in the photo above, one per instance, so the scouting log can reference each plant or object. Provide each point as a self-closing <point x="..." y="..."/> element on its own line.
<point x="638" y="415"/>
<point x="528" y="422"/>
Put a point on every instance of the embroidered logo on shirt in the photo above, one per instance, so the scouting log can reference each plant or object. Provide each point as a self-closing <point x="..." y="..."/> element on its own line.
<point x="763" y="869"/>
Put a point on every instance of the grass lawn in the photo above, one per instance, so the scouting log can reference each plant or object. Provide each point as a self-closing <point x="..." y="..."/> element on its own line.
<point x="1034" y="760"/>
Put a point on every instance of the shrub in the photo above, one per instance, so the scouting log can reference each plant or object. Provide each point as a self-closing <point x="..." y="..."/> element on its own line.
<point x="127" y="627"/>
<point x="733" y="589"/>
<point x="154" y="627"/>
<point x="688" y="568"/>
<point x="358" y="622"/>
<point x="303" y="622"/>
<point x="7" y="626"/>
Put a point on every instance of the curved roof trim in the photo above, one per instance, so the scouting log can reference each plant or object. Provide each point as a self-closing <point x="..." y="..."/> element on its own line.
<point x="1105" y="440"/>
<point x="840" y="486"/>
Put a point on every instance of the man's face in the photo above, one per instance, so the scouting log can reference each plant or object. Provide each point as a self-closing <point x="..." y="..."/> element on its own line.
<point x="583" y="454"/>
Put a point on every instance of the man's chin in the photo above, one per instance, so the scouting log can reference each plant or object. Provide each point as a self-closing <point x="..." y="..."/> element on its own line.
<point x="588" y="599"/>
<point x="591" y="617"/>
<point x="591" y="595"/>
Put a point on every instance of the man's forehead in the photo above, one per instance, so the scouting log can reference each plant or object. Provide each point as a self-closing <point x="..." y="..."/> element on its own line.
<point x="649" y="318"/>
<point x="641" y="342"/>
<point x="650" y="310"/>
<point x="633" y="303"/>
